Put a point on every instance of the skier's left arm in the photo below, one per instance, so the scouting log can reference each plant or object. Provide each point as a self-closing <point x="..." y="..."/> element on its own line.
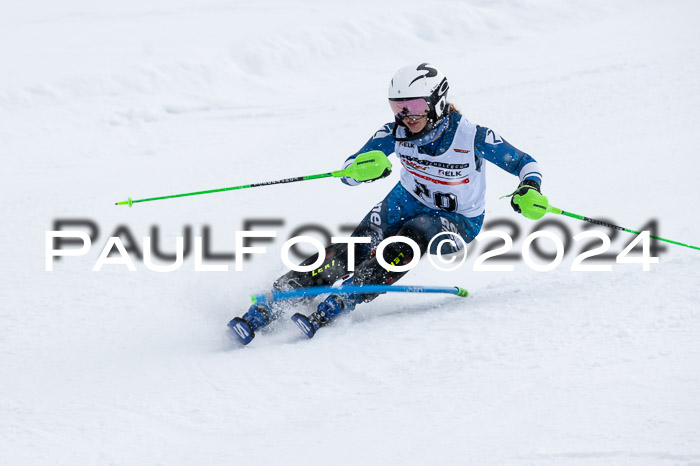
<point x="492" y="147"/>
<point x="489" y="145"/>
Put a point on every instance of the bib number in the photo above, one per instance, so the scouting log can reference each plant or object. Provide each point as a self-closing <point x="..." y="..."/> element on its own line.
<point x="444" y="201"/>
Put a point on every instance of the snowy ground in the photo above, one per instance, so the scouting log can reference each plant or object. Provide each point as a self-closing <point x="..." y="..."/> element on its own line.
<point x="100" y="101"/>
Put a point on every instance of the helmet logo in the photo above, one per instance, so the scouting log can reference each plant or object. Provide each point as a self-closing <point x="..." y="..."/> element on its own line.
<point x="443" y="87"/>
<point x="424" y="67"/>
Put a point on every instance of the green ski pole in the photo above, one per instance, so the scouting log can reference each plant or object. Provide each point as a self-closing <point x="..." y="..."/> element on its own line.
<point x="534" y="205"/>
<point x="365" y="167"/>
<point x="555" y="210"/>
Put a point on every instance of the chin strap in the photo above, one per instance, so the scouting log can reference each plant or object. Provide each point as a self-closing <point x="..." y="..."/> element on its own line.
<point x="427" y="135"/>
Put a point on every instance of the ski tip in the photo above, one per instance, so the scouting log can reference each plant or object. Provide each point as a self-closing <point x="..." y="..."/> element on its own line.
<point x="306" y="327"/>
<point x="242" y="331"/>
<point x="462" y="292"/>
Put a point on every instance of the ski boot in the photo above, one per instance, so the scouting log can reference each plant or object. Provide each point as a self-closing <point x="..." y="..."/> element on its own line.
<point x="327" y="310"/>
<point x="257" y="317"/>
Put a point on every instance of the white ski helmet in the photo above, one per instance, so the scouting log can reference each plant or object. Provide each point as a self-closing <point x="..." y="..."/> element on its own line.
<point x="419" y="82"/>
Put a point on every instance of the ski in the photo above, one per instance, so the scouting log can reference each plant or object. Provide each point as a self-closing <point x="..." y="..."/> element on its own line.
<point x="304" y="324"/>
<point x="244" y="333"/>
<point x="242" y="330"/>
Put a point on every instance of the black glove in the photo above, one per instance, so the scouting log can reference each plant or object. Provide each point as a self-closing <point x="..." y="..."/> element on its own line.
<point x="523" y="187"/>
<point x="387" y="172"/>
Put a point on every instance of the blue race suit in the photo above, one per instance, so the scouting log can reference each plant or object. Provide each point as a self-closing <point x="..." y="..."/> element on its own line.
<point x="442" y="177"/>
<point x="442" y="189"/>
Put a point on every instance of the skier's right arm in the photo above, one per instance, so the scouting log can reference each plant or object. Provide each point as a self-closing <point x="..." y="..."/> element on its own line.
<point x="382" y="140"/>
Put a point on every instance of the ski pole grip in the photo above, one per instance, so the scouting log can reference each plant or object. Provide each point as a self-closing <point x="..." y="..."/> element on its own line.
<point x="366" y="167"/>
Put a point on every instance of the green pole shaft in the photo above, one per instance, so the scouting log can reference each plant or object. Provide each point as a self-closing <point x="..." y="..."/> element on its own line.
<point x="366" y="166"/>
<point x="610" y="225"/>
<point x="130" y="201"/>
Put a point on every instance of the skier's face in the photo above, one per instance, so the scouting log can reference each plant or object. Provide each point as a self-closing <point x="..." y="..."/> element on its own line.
<point x="412" y="112"/>
<point x="415" y="126"/>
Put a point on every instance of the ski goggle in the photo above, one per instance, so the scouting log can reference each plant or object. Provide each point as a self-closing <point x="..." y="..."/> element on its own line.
<point x="415" y="109"/>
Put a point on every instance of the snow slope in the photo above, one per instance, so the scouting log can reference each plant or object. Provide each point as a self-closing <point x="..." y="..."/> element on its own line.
<point x="100" y="101"/>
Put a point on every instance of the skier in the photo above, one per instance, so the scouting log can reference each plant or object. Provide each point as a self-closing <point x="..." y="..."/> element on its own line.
<point x="442" y="188"/>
